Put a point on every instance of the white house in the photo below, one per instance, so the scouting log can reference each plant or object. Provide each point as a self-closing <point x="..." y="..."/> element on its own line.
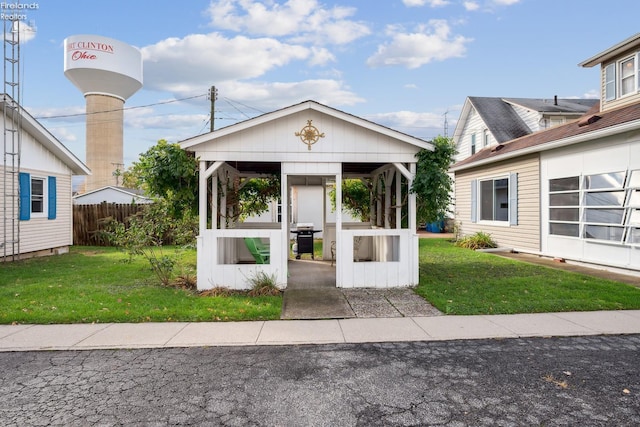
<point x="308" y="143"/>
<point x="36" y="210"/>
<point x="570" y="192"/>
<point x="112" y="194"/>
<point x="488" y="121"/>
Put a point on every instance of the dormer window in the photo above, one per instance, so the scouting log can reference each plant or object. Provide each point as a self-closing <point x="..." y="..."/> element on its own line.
<point x="621" y="78"/>
<point x="627" y="76"/>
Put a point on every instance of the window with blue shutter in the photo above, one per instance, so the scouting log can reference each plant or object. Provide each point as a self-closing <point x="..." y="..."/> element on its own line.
<point x="51" y="197"/>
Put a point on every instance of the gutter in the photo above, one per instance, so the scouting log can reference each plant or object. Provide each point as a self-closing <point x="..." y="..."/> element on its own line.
<point x="602" y="133"/>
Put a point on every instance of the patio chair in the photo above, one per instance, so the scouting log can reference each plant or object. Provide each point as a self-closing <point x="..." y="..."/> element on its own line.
<point x="260" y="255"/>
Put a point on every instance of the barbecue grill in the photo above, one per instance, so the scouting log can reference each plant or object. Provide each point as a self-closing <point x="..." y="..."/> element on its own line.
<point x="304" y="238"/>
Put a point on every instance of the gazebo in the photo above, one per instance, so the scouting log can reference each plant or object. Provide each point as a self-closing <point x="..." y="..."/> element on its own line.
<point x="307" y="144"/>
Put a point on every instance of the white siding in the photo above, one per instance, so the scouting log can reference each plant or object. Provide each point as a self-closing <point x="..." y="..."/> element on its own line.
<point x="614" y="154"/>
<point x="530" y="117"/>
<point x="276" y="141"/>
<point x="475" y="125"/>
<point x="525" y="236"/>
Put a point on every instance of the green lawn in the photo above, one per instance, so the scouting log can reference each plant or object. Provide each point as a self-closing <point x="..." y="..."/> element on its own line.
<point x="93" y="284"/>
<point x="461" y="281"/>
<point x="96" y="285"/>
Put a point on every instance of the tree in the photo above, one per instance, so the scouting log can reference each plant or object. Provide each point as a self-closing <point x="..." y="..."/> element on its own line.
<point x="356" y="198"/>
<point x="167" y="171"/>
<point x="432" y="183"/>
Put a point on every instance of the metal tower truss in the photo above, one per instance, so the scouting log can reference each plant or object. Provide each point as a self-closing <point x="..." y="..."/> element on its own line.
<point x="11" y="120"/>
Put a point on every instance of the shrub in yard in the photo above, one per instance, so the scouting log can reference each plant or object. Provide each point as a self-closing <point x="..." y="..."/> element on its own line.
<point x="263" y="284"/>
<point x="145" y="233"/>
<point x="480" y="240"/>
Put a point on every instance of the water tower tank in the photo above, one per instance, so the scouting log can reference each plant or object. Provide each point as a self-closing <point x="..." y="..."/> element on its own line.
<point x="100" y="65"/>
<point x="107" y="71"/>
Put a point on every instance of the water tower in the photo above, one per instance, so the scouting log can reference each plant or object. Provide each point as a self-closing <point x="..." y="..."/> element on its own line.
<point x="107" y="71"/>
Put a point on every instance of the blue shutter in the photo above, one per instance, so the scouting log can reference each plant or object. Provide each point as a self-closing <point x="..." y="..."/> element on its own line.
<point x="51" y="195"/>
<point x="24" y="181"/>
<point x="513" y="199"/>
<point x="474" y="200"/>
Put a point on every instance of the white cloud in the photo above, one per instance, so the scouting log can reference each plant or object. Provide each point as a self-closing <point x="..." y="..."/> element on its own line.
<point x="420" y="124"/>
<point x="186" y="66"/>
<point x="471" y="5"/>
<point x="412" y="50"/>
<point x="506" y="2"/>
<point x="411" y="86"/>
<point x="273" y="95"/>
<point x="297" y="19"/>
<point x="432" y="3"/>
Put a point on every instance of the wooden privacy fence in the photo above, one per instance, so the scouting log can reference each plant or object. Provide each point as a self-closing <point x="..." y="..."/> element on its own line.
<point x="87" y="219"/>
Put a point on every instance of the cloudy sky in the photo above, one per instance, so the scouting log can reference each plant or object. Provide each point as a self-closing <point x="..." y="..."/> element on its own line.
<point x="406" y="64"/>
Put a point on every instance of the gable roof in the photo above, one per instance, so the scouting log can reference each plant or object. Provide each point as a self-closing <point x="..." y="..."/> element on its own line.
<point x="30" y="125"/>
<point x="306" y="105"/>
<point x="564" y="106"/>
<point x="591" y="126"/>
<point x="503" y="121"/>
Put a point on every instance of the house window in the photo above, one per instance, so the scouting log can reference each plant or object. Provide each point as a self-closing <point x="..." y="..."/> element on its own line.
<point x="621" y="78"/>
<point x="603" y="207"/>
<point x="610" y="82"/>
<point x="603" y="204"/>
<point x="495" y="199"/>
<point x="37" y="197"/>
<point x="473" y="144"/>
<point x="564" y="206"/>
<point x="485" y="138"/>
<point x="628" y="76"/>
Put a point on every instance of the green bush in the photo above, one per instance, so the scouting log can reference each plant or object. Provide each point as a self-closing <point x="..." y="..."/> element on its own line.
<point x="480" y="240"/>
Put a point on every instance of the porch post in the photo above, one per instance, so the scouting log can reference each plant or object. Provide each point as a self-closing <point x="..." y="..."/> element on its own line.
<point x="340" y="266"/>
<point x="202" y="198"/>
<point x="412" y="212"/>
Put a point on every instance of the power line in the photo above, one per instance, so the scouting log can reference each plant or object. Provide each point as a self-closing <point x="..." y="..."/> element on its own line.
<point x="122" y="109"/>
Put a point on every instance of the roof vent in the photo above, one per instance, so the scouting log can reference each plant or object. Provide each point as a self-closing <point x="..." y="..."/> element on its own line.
<point x="497" y="148"/>
<point x="589" y="120"/>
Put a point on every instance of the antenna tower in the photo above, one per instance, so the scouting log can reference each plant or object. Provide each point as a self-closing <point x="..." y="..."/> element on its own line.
<point x="12" y="124"/>
<point x="446" y="125"/>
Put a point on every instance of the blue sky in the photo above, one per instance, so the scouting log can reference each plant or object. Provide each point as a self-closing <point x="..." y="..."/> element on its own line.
<point x="400" y="63"/>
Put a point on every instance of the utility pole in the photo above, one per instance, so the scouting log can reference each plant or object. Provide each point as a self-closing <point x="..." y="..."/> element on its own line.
<point x="212" y="96"/>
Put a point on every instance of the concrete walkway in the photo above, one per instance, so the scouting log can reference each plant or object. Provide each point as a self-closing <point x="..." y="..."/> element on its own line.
<point x="286" y="332"/>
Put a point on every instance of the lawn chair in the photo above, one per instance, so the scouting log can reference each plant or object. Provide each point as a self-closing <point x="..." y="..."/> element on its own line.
<point x="260" y="255"/>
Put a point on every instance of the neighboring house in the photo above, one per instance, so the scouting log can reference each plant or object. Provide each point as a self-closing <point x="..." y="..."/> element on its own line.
<point x="111" y="194"/>
<point x="570" y="192"/>
<point x="486" y="121"/>
<point x="36" y="208"/>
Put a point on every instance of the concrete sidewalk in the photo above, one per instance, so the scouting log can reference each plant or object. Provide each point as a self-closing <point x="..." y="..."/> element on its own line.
<point x="286" y="332"/>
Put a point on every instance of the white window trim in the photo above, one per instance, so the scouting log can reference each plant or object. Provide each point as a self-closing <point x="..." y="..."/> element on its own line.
<point x="634" y="91"/>
<point x="494" y="223"/>
<point x="45" y="197"/>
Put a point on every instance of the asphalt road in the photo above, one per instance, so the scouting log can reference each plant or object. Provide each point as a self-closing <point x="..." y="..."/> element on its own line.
<point x="587" y="381"/>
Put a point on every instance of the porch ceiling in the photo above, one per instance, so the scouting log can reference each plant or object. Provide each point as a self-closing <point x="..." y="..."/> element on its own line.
<point x="275" y="168"/>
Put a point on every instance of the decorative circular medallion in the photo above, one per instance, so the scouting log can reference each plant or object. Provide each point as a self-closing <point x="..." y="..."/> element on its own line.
<point x="309" y="134"/>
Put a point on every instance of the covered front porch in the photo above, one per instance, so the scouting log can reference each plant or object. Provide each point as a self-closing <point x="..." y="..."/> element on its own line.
<point x="308" y="144"/>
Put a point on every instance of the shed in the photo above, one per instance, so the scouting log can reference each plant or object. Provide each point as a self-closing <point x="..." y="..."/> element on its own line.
<point x="112" y="194"/>
<point x="308" y="144"/>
